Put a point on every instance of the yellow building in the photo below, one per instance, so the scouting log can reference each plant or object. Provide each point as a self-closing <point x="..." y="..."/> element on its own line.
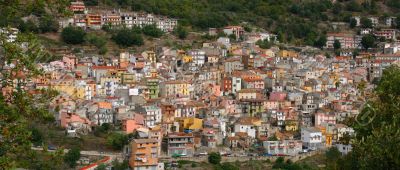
<point x="187" y="58"/>
<point x="291" y="125"/>
<point x="175" y="88"/>
<point x="287" y="54"/>
<point x="190" y="123"/>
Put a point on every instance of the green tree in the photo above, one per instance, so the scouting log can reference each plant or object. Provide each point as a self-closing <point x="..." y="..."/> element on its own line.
<point x="73" y="35"/>
<point x="72" y="156"/>
<point x="214" y="158"/>
<point x="18" y="108"/>
<point x="353" y="23"/>
<point x="152" y="30"/>
<point x="36" y="137"/>
<point x="120" y="166"/>
<point x="337" y="45"/>
<point x="264" y="44"/>
<point x="48" y="24"/>
<point x="101" y="167"/>
<point x="321" y="42"/>
<point x="361" y="86"/>
<point x="181" y="32"/>
<point x="117" y="140"/>
<point x="332" y="156"/>
<point x="229" y="166"/>
<point x="377" y="126"/>
<point x="366" y="22"/>
<point x="126" y="38"/>
<point x="368" y="41"/>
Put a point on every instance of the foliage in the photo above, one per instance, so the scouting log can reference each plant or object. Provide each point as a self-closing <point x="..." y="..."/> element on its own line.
<point x="101" y="167"/>
<point x="181" y="31"/>
<point x="72" y="156"/>
<point x="273" y="138"/>
<point x="337" y="45"/>
<point x="214" y="158"/>
<point x="368" y="41"/>
<point x="36" y="137"/>
<point x="73" y="35"/>
<point x="126" y="38"/>
<point x="153" y="31"/>
<point x="321" y="42"/>
<point x="91" y="2"/>
<point x="289" y="165"/>
<point x="353" y="23"/>
<point x="332" y="156"/>
<point x="366" y="22"/>
<point x="17" y="107"/>
<point x="264" y="44"/>
<point x="117" y="140"/>
<point x="377" y="127"/>
<point x="48" y="24"/>
<point x="98" y="41"/>
<point x="229" y="166"/>
<point x="120" y="166"/>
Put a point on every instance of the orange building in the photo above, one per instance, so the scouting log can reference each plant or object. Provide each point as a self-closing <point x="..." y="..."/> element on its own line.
<point x="144" y="154"/>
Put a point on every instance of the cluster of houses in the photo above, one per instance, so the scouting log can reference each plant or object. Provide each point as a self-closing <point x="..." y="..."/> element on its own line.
<point x="383" y="29"/>
<point x="224" y="94"/>
<point x="96" y="18"/>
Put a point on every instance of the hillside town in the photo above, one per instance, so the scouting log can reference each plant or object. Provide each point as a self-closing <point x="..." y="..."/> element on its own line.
<point x="228" y="96"/>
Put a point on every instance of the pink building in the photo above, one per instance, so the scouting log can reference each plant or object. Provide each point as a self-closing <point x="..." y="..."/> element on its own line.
<point x="270" y="104"/>
<point x="277" y="96"/>
<point x="130" y="125"/>
<point x="69" y="61"/>
<point x="324" y="118"/>
<point x="67" y="118"/>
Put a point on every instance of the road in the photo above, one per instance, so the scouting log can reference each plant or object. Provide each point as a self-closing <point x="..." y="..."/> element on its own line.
<point x="112" y="155"/>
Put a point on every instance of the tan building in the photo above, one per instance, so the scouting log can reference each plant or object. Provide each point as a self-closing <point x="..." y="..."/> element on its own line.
<point x="144" y="154"/>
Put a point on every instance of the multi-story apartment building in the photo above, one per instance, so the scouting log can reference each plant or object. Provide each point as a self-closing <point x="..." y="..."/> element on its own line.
<point x="175" y="88"/>
<point x="284" y="147"/>
<point x="311" y="138"/>
<point x="144" y="154"/>
<point x="347" y="41"/>
<point x="77" y="7"/>
<point x="181" y="144"/>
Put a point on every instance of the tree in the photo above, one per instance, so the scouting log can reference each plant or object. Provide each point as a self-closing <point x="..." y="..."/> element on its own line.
<point x="17" y="107"/>
<point x="72" y="156"/>
<point x="214" y="158"/>
<point x="366" y="22"/>
<point x="91" y="2"/>
<point x="181" y="32"/>
<point x="361" y="86"/>
<point x="48" y="24"/>
<point x="353" y="23"/>
<point x="337" y="45"/>
<point x="101" y="167"/>
<point x="152" y="30"/>
<point x="120" y="166"/>
<point x="332" y="156"/>
<point x="117" y="140"/>
<point x="229" y="166"/>
<point x="377" y="126"/>
<point x="397" y="22"/>
<point x="264" y="44"/>
<point x="368" y="41"/>
<point x="321" y="42"/>
<point x="126" y="38"/>
<point x="73" y="35"/>
<point x="37" y="137"/>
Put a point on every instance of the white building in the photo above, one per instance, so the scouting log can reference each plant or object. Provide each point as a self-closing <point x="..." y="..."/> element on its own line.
<point x="285" y="147"/>
<point x="311" y="137"/>
<point x="344" y="149"/>
<point x="250" y="129"/>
